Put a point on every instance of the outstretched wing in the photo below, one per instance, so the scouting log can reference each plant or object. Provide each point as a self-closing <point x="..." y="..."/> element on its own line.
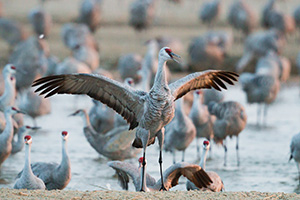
<point x="192" y="172"/>
<point x="124" y="100"/>
<point x="205" y="79"/>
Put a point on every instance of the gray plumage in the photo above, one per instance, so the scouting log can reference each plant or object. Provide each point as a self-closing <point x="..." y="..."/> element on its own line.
<point x="171" y="175"/>
<point x="209" y="50"/>
<point x="295" y="151"/>
<point x="217" y="183"/>
<point x="28" y="180"/>
<point x="212" y="95"/>
<point x="149" y="111"/>
<point x="242" y="17"/>
<point x="41" y="21"/>
<point x="129" y="65"/>
<point x="55" y="176"/>
<point x="9" y="94"/>
<point x="75" y="35"/>
<point x="202" y="120"/>
<point x="102" y="117"/>
<point x="258" y="44"/>
<point x="7" y="135"/>
<point x="272" y="18"/>
<point x="141" y="14"/>
<point x="230" y="120"/>
<point x="18" y="145"/>
<point x="90" y="14"/>
<point x="30" y="60"/>
<point x="11" y="32"/>
<point x="115" y="144"/>
<point x="210" y="11"/>
<point x="33" y="105"/>
<point x="180" y="132"/>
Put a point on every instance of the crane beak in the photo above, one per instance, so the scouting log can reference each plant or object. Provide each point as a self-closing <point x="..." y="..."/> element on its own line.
<point x="73" y="114"/>
<point x="22" y="112"/>
<point x="35" y="128"/>
<point x="175" y="57"/>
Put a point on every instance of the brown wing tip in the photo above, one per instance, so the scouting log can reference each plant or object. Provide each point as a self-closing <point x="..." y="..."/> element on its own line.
<point x="201" y="178"/>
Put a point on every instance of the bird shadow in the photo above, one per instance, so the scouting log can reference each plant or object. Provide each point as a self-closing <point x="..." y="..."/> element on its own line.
<point x="260" y="127"/>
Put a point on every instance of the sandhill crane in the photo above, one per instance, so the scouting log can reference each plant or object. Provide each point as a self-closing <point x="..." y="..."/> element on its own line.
<point x="30" y="60"/>
<point x="202" y="120"/>
<point x="7" y="135"/>
<point x="70" y="65"/>
<point x="272" y="18"/>
<point x="33" y="105"/>
<point x="87" y="55"/>
<point x="141" y="14"/>
<point x="258" y="44"/>
<point x="74" y="35"/>
<point x="194" y="173"/>
<point x="295" y="151"/>
<point x="129" y="65"/>
<point x="231" y="120"/>
<point x="28" y="180"/>
<point x="9" y="94"/>
<point x="217" y="183"/>
<point x="242" y="17"/>
<point x="149" y="111"/>
<point x="41" y="21"/>
<point x="180" y="132"/>
<point x="11" y="31"/>
<point x="55" y="176"/>
<point x="209" y="49"/>
<point x="114" y="145"/>
<point x="19" y="144"/>
<point x="90" y="14"/>
<point x="210" y="11"/>
<point x="102" y="117"/>
<point x="260" y="89"/>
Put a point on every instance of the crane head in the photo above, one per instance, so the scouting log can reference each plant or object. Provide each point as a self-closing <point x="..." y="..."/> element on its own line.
<point x="166" y="54"/>
<point x="198" y="92"/>
<point x="13" y="110"/>
<point x="27" y="139"/>
<point x="206" y="144"/>
<point x="32" y="128"/>
<point x="129" y="81"/>
<point x="65" y="135"/>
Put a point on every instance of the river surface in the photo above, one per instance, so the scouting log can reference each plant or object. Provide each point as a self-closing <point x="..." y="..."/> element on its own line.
<point x="264" y="152"/>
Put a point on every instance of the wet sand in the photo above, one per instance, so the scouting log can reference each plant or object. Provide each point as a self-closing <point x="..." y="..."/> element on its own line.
<point x="69" y="194"/>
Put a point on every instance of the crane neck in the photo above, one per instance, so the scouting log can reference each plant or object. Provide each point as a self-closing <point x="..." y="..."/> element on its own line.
<point x="27" y="168"/>
<point x="8" y="130"/>
<point x="203" y="158"/>
<point x="160" y="78"/>
<point x="65" y="158"/>
<point x="86" y="119"/>
<point x="145" y="188"/>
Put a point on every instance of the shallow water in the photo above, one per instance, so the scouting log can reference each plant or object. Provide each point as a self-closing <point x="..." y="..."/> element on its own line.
<point x="264" y="152"/>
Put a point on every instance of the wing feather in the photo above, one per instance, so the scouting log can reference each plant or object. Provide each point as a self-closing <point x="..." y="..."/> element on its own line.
<point x="205" y="79"/>
<point x="124" y="100"/>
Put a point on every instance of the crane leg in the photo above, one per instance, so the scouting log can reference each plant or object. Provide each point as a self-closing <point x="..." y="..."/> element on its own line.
<point x="198" y="148"/>
<point x="182" y="160"/>
<point x="160" y="137"/>
<point x="225" y="151"/>
<point x="298" y="166"/>
<point x="258" y="115"/>
<point x="174" y="156"/>
<point x="265" y="115"/>
<point x="144" y="137"/>
<point x="237" y="151"/>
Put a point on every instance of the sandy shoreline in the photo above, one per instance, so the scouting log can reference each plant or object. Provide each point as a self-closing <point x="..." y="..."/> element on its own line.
<point x="69" y="194"/>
